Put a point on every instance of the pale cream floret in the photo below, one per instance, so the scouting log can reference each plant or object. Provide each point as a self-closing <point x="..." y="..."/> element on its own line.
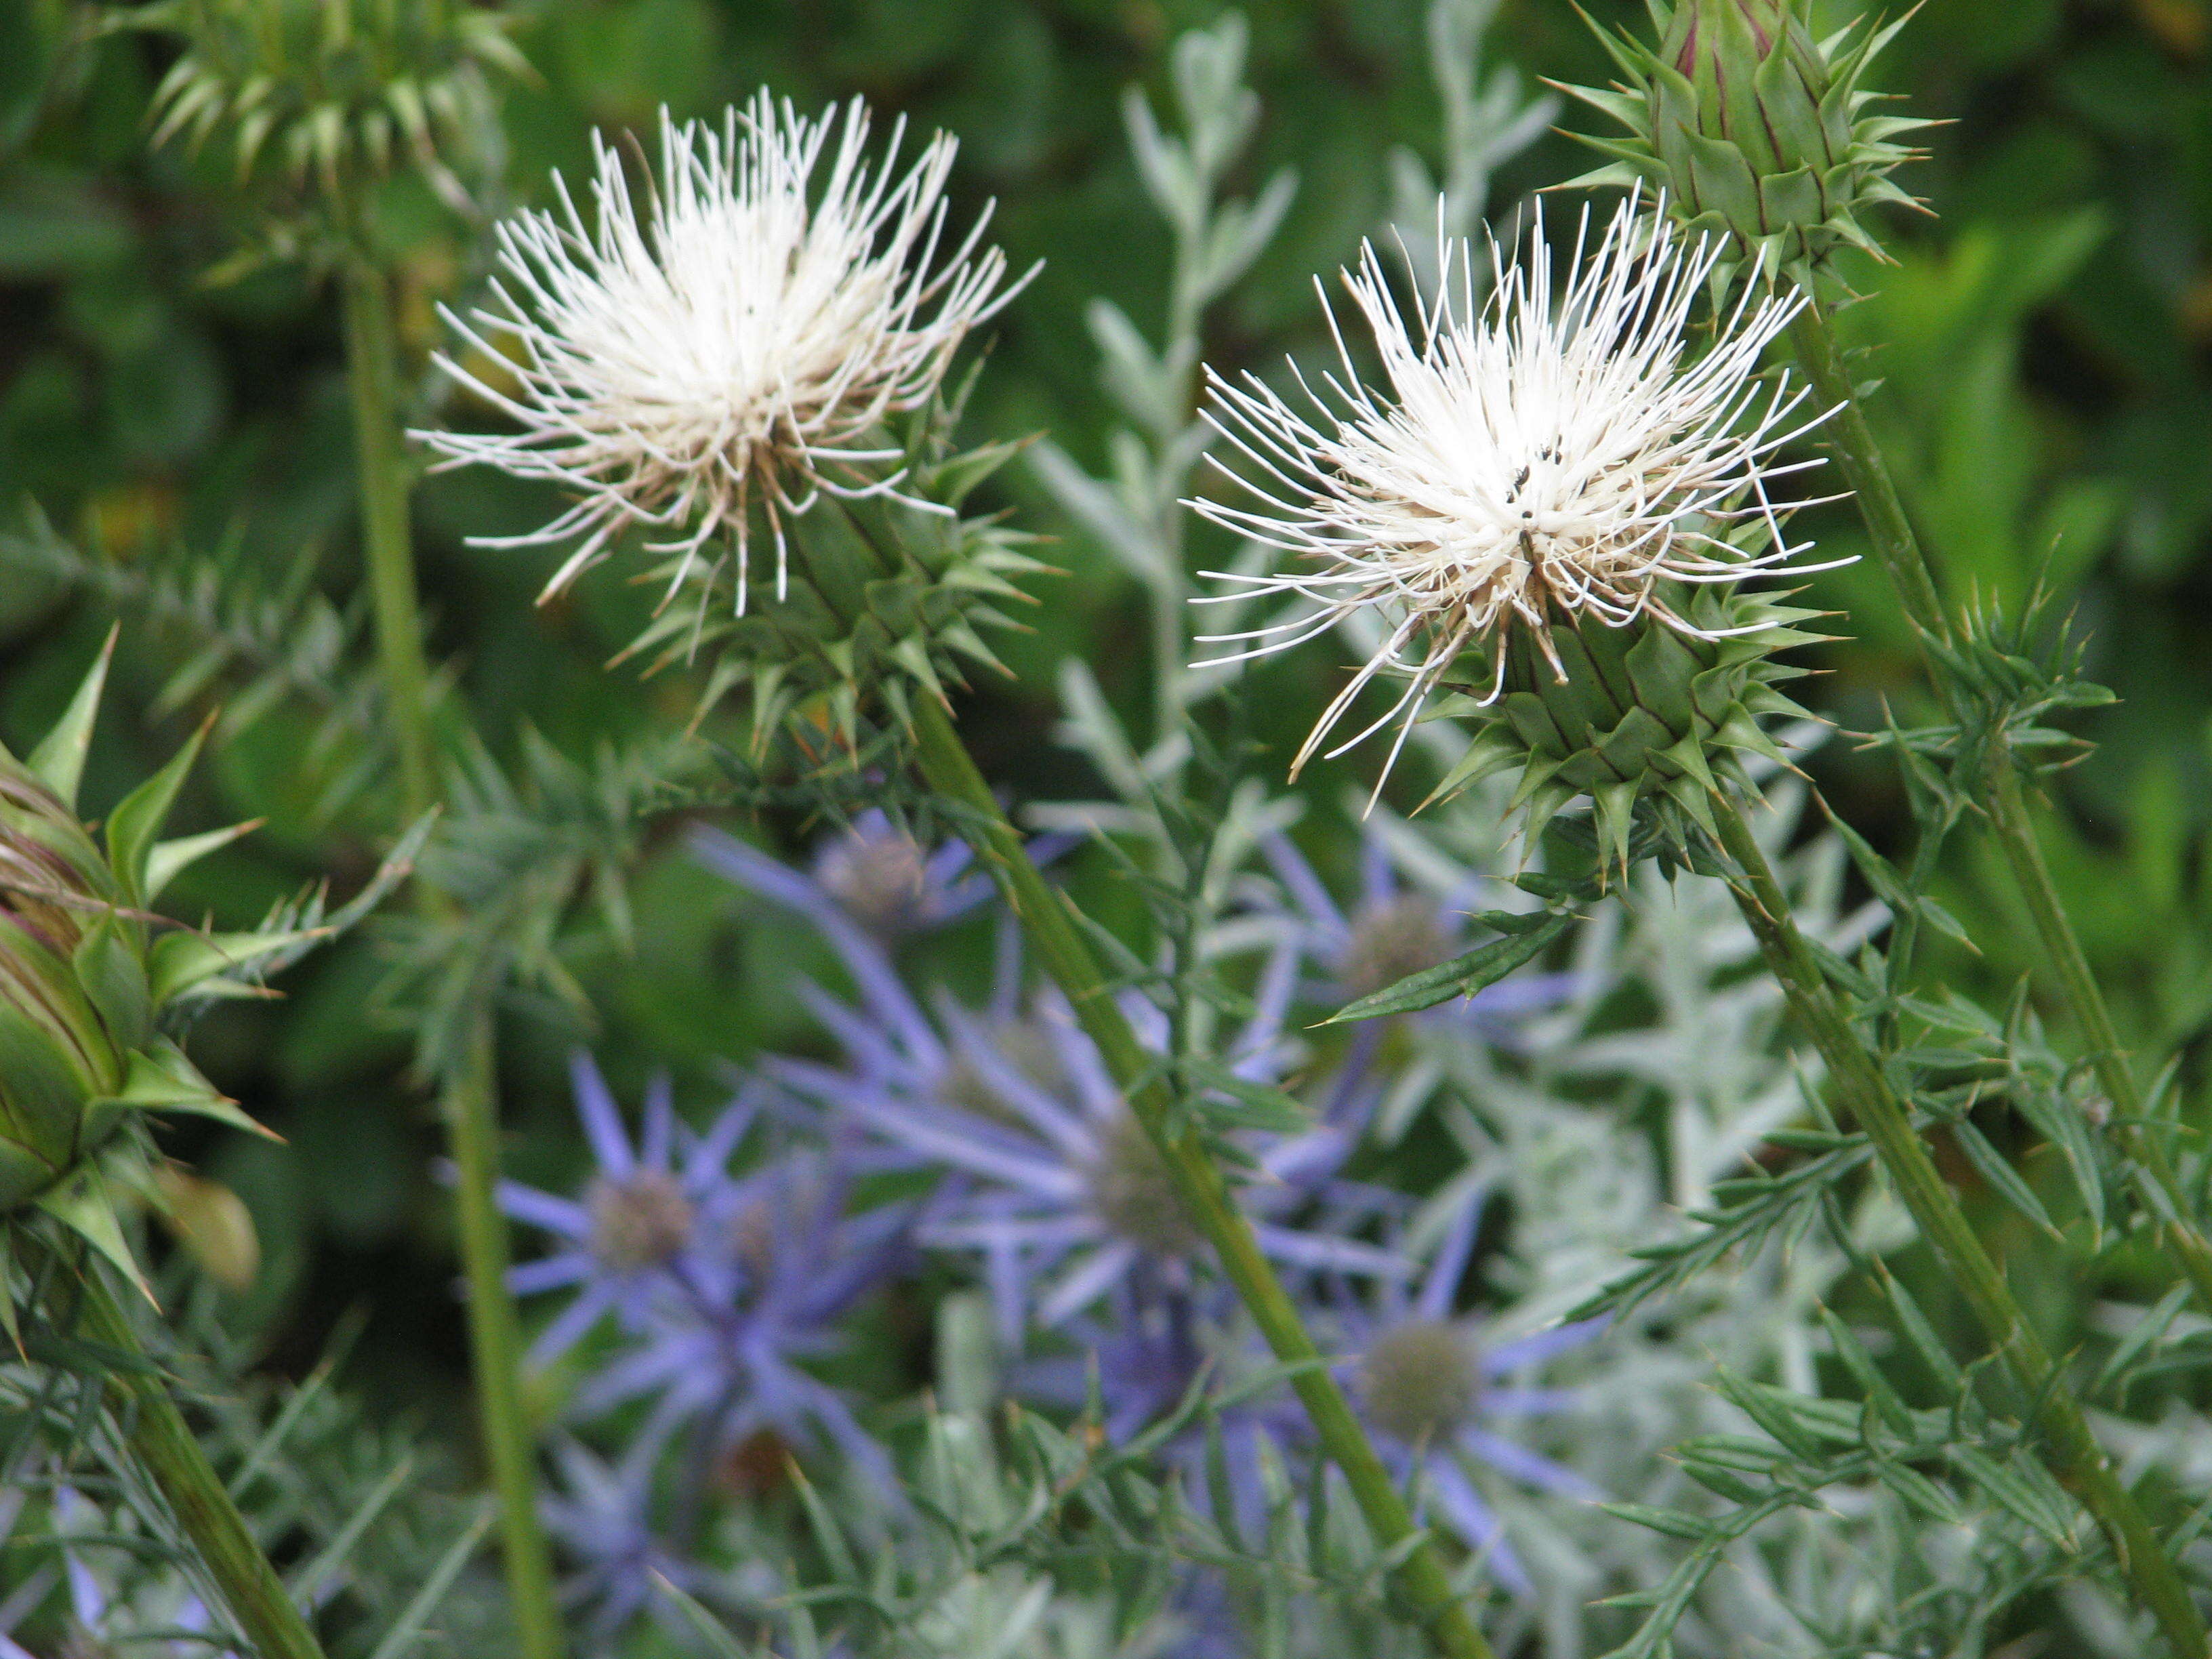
<point x="1534" y="459"/>
<point x="739" y="346"/>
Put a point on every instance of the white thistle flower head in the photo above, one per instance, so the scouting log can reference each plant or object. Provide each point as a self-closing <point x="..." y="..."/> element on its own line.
<point x="736" y="348"/>
<point x="1537" y="460"/>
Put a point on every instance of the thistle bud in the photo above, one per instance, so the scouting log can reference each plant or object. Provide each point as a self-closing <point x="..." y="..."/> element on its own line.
<point x="89" y="979"/>
<point x="335" y="93"/>
<point x="1756" y="130"/>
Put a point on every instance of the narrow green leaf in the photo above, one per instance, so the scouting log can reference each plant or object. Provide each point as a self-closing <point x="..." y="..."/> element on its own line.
<point x="408" y="1628"/>
<point x="168" y="857"/>
<point x="137" y="818"/>
<point x="1462" y="977"/>
<point x="2005" y="1181"/>
<point x="2151" y="1327"/>
<point x="1674" y="1522"/>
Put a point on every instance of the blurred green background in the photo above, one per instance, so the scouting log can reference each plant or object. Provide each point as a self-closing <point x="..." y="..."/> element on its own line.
<point x="2041" y="338"/>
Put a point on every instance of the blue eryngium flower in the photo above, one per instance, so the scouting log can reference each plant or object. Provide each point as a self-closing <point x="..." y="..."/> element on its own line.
<point x="1425" y="1380"/>
<point x="601" y="1514"/>
<point x="1061" y="1191"/>
<point x="886" y="880"/>
<point x="727" y="1351"/>
<point x="625" y="1242"/>
<point x="724" y="1287"/>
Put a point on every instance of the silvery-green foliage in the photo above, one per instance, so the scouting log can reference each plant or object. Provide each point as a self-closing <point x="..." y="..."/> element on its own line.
<point x="1595" y="1132"/>
<point x="1135" y="514"/>
<point x="1029" y="1541"/>
<point x="1487" y="121"/>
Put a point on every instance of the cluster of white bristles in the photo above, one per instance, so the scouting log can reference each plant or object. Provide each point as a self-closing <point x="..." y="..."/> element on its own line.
<point x="740" y="346"/>
<point x="1537" y="459"/>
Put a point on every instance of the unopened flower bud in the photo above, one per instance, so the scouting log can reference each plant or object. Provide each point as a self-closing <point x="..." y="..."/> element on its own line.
<point x="1756" y="129"/>
<point x="336" y="93"/>
<point x="86" y="974"/>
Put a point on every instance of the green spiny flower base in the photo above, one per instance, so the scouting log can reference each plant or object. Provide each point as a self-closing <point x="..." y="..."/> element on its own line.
<point x="1758" y="131"/>
<point x="885" y="598"/>
<point x="89" y="980"/>
<point x="338" y="93"/>
<point x="1644" y="710"/>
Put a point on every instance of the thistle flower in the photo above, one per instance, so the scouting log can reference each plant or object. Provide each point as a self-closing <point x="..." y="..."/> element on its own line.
<point x="735" y="353"/>
<point x="1538" y="465"/>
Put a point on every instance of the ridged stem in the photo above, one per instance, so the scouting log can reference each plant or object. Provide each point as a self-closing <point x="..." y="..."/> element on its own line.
<point x="1867" y="1096"/>
<point x="470" y="1102"/>
<point x="164" y="1446"/>
<point x="1060" y="947"/>
<point x="2004" y="798"/>
<point x="372" y="373"/>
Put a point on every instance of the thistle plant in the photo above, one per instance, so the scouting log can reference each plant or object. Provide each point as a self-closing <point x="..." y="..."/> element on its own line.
<point x="1184" y="1216"/>
<point x="1997" y="750"/>
<point x="1459" y="559"/>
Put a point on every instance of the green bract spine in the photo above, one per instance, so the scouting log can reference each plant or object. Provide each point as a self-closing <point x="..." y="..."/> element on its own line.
<point x="1630" y="712"/>
<point x="887" y="595"/>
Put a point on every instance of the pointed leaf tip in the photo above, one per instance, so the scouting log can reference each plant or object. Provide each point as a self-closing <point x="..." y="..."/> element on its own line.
<point x="59" y="760"/>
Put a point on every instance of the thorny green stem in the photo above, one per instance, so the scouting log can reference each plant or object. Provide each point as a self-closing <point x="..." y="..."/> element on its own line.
<point x="1421" y="1577"/>
<point x="2005" y="798"/>
<point x="470" y="1102"/>
<point x="1847" y="433"/>
<point x="1867" y="1094"/>
<point x="197" y="1497"/>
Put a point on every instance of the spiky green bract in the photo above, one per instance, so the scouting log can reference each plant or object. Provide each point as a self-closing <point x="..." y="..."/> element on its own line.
<point x="92" y="983"/>
<point x="885" y="595"/>
<point x="1758" y="131"/>
<point x="1643" y="710"/>
<point x="334" y="93"/>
